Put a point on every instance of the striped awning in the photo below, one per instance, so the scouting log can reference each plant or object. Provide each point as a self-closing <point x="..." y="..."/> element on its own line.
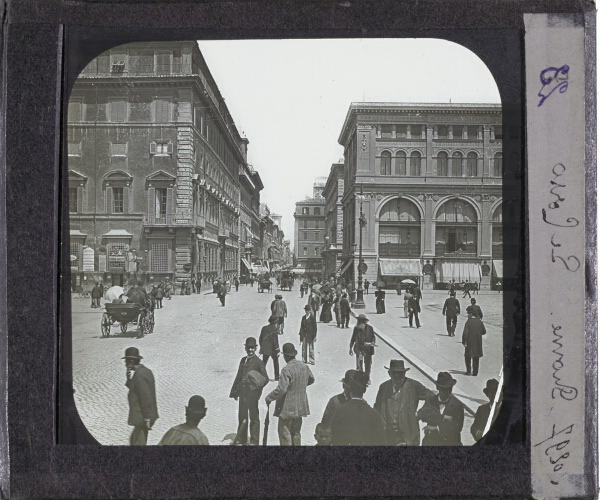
<point x="345" y="267"/>
<point x="400" y="267"/>
<point x="458" y="271"/>
<point x="497" y="268"/>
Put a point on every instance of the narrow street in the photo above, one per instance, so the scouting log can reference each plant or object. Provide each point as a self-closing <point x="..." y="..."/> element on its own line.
<point x="197" y="344"/>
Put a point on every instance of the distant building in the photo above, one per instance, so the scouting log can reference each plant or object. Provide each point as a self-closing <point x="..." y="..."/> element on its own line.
<point x="334" y="217"/>
<point x="250" y="222"/>
<point x="432" y="181"/>
<point x="310" y="232"/>
<point x="155" y="162"/>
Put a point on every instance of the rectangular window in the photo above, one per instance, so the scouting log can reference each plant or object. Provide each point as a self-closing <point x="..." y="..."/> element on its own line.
<point x="473" y="132"/>
<point x="162" y="111"/>
<point x="118" y="201"/>
<point x="305" y="251"/>
<point x="317" y="210"/>
<point x="305" y="224"/>
<point x="177" y="62"/>
<point x="442" y="131"/>
<point x="305" y="235"/>
<point x="75" y="249"/>
<point x="498" y="132"/>
<point x="118" y="60"/>
<point x="116" y="255"/>
<point x="118" y="149"/>
<point x="401" y="131"/>
<point x="162" y="148"/>
<point x="160" y="258"/>
<point x="457" y="131"/>
<point x="317" y="251"/>
<point x="163" y="63"/>
<point x="386" y="131"/>
<point x="317" y="235"/>
<point x="143" y="64"/>
<point x="304" y="210"/>
<point x="415" y="131"/>
<point x="118" y="110"/>
<point x="161" y="206"/>
<point x="73" y="200"/>
<point x="74" y="111"/>
<point x="74" y="149"/>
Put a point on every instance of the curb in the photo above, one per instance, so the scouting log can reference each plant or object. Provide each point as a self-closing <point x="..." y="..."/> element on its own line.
<point x="418" y="365"/>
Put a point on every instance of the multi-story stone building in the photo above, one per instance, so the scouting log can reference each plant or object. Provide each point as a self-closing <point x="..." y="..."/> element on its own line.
<point x="309" y="232"/>
<point x="431" y="177"/>
<point x="250" y="222"/>
<point x="334" y="216"/>
<point x="154" y="161"/>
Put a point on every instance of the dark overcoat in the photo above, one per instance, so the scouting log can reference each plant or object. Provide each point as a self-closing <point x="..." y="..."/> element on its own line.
<point x="448" y="431"/>
<point x="451" y="307"/>
<point x="359" y="337"/>
<point x="240" y="384"/>
<point x="308" y="329"/>
<point x="472" y="338"/>
<point x="141" y="397"/>
<point x="269" y="340"/>
<point x="355" y="423"/>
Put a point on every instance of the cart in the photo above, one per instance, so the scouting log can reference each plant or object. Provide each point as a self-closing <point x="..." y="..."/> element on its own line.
<point x="265" y="285"/>
<point x="287" y="281"/>
<point x="125" y="314"/>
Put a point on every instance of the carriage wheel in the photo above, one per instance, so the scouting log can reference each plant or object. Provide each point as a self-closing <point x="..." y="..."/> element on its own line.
<point x="105" y="325"/>
<point x="142" y="324"/>
<point x="123" y="327"/>
<point x="151" y="323"/>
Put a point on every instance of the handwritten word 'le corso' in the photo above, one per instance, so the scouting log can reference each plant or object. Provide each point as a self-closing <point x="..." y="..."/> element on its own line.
<point x="571" y="262"/>
<point x="554" y="451"/>
<point x="553" y="78"/>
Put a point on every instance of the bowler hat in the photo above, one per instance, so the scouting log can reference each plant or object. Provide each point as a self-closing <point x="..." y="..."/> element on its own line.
<point x="362" y="317"/>
<point x="348" y="376"/>
<point x="289" y="349"/>
<point x="452" y="293"/>
<point x="278" y="296"/>
<point x="196" y="404"/>
<point x="272" y="319"/>
<point x="491" y="387"/>
<point x="307" y="307"/>
<point x="444" y="379"/>
<point x="132" y="352"/>
<point x="397" y="365"/>
<point x="250" y="342"/>
<point x="359" y="379"/>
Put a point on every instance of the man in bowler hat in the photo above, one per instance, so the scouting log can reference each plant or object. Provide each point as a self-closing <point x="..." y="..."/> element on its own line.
<point x="483" y="412"/>
<point x="290" y="397"/>
<point x="308" y="335"/>
<point x="141" y="397"/>
<point x="451" y="310"/>
<point x="269" y="344"/>
<point x="443" y="414"/>
<point x="338" y="400"/>
<point x="397" y="401"/>
<point x="362" y="344"/>
<point x="355" y="423"/>
<point x="248" y="394"/>
<point x="473" y="342"/>
<point x="188" y="433"/>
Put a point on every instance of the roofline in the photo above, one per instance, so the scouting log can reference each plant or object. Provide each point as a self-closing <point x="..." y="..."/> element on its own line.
<point x="406" y="106"/>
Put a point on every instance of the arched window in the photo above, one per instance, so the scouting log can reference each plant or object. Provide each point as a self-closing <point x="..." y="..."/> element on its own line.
<point x="386" y="163"/>
<point x="498" y="165"/>
<point x="456" y="228"/>
<point x="457" y="158"/>
<point x="497" y="243"/>
<point x="400" y="163"/>
<point x="442" y="164"/>
<point x="415" y="163"/>
<point x="472" y="165"/>
<point x="399" y="229"/>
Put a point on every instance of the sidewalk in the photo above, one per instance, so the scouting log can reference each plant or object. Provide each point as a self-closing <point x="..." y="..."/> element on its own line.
<point x="430" y="350"/>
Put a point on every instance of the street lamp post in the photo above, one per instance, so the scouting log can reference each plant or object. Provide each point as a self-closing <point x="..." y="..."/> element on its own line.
<point x="362" y="222"/>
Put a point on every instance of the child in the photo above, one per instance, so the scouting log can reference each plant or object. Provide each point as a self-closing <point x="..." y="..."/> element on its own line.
<point x="323" y="435"/>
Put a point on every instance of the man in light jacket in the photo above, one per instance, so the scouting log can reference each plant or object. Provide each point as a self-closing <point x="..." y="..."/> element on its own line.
<point x="290" y="396"/>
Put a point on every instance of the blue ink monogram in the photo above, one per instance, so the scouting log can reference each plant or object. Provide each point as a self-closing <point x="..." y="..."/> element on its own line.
<point x="556" y="78"/>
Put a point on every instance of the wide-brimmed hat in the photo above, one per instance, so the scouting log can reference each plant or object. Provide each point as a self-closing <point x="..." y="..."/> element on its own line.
<point x="307" y="307"/>
<point x="289" y="349"/>
<point x="348" y="376"/>
<point x="444" y="379"/>
<point x="272" y="319"/>
<point x="359" y="379"/>
<point x="362" y="317"/>
<point x="132" y="352"/>
<point x="196" y="404"/>
<point x="251" y="342"/>
<point x="397" y="365"/>
<point x="491" y="385"/>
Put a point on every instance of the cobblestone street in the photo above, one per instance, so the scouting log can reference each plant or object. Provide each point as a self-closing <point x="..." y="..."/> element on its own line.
<point x="197" y="344"/>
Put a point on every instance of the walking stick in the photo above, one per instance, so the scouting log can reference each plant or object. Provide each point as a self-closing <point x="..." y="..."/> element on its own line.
<point x="265" y="434"/>
<point x="241" y="427"/>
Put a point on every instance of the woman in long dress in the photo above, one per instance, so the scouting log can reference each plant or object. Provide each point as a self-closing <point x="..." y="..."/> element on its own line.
<point x="380" y="301"/>
<point x="326" y="309"/>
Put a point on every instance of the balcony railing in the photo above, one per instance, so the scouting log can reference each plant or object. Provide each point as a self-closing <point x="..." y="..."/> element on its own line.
<point x="160" y="220"/>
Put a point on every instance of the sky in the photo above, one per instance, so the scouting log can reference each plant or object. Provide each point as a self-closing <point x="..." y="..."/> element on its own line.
<point x="290" y="98"/>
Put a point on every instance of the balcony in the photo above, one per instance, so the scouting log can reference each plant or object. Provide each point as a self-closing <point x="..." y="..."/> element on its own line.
<point x="224" y="234"/>
<point x="160" y="220"/>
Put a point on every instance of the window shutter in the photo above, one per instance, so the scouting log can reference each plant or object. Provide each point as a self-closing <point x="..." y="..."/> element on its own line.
<point x="170" y="148"/>
<point x="170" y="207"/>
<point x="152" y="148"/>
<point x="109" y="200"/>
<point x="126" y="200"/>
<point x="151" y="206"/>
<point x="79" y="199"/>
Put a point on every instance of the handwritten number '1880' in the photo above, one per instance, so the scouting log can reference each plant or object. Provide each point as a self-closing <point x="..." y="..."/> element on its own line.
<point x="553" y="78"/>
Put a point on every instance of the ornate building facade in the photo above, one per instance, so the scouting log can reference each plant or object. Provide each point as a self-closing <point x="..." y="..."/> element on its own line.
<point x="309" y="232"/>
<point x="334" y="216"/>
<point x="155" y="161"/>
<point x="431" y="178"/>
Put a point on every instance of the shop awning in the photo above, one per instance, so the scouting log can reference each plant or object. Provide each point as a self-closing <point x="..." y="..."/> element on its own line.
<point x="458" y="271"/>
<point x="117" y="233"/>
<point x="497" y="268"/>
<point x="400" y="267"/>
<point x="247" y="264"/>
<point x="299" y="270"/>
<point x="77" y="233"/>
<point x="345" y="267"/>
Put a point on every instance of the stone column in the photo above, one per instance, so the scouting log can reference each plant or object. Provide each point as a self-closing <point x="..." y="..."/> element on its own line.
<point x="429" y="152"/>
<point x="484" y="170"/>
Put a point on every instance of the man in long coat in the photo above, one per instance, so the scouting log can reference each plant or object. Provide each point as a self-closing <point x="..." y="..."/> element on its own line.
<point x="344" y="310"/>
<point x="397" y="401"/>
<point x="483" y="412"/>
<point x="279" y="310"/>
<point x="451" y="310"/>
<point x="269" y="344"/>
<point x="308" y="335"/>
<point x="141" y="397"/>
<point x="362" y="344"/>
<point x="338" y="400"/>
<point x="475" y="308"/>
<point x="221" y="292"/>
<point x="247" y="394"/>
<point x="290" y="396"/>
<point x="96" y="295"/>
<point x="355" y="423"/>
<point x="444" y="415"/>
<point x="473" y="342"/>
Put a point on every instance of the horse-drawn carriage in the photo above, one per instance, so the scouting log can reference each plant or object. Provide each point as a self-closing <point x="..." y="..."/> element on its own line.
<point x="138" y="310"/>
<point x="287" y="281"/>
<point x="265" y="284"/>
